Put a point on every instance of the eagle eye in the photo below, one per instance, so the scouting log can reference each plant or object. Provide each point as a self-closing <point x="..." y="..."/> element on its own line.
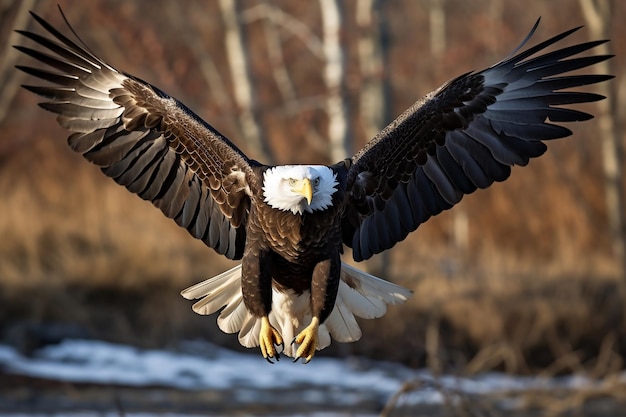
<point x="292" y="181"/>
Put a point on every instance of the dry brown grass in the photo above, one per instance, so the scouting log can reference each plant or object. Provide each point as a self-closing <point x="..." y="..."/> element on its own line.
<point x="62" y="223"/>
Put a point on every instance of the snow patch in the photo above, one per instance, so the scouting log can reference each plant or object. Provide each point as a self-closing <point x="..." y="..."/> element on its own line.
<point x="203" y="366"/>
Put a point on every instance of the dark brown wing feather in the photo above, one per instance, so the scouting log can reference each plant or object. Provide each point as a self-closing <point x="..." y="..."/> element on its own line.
<point x="463" y="136"/>
<point x="147" y="141"/>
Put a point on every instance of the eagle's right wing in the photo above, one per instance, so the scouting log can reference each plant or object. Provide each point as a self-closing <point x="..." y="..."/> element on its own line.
<point x="146" y="141"/>
<point x="463" y="136"/>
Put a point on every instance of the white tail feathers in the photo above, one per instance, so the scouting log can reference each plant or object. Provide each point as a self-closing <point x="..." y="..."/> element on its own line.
<point x="360" y="294"/>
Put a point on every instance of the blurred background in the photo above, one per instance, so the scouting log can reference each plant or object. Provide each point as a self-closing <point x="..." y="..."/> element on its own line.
<point x="526" y="277"/>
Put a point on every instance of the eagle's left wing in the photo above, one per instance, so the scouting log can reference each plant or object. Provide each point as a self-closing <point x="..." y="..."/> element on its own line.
<point x="463" y="136"/>
<point x="145" y="140"/>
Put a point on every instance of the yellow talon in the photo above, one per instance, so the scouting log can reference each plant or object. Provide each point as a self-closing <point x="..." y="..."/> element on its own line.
<point x="269" y="339"/>
<point x="308" y="341"/>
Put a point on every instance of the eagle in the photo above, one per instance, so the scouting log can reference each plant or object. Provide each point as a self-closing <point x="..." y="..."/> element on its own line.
<point x="288" y="225"/>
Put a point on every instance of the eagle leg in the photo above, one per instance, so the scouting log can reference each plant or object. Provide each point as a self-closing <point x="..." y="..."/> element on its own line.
<point x="269" y="339"/>
<point x="308" y="341"/>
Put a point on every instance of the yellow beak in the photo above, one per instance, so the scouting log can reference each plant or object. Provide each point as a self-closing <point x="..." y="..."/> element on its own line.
<point x="305" y="189"/>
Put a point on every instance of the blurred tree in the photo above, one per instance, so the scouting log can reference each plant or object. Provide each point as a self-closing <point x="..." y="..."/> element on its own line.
<point x="375" y="93"/>
<point x="438" y="40"/>
<point x="599" y="17"/>
<point x="206" y="64"/>
<point x="437" y="18"/>
<point x="13" y="14"/>
<point x="374" y="97"/>
<point x="283" y="80"/>
<point x="253" y="132"/>
<point x="334" y="77"/>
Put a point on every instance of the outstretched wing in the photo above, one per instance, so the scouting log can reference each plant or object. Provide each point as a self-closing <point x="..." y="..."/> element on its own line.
<point x="146" y="141"/>
<point x="463" y="136"/>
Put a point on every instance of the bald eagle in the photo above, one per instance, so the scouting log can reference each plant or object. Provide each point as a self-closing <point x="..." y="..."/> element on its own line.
<point x="288" y="224"/>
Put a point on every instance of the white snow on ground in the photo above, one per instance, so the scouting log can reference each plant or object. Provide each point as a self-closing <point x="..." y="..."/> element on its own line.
<point x="107" y="363"/>
<point x="217" y="368"/>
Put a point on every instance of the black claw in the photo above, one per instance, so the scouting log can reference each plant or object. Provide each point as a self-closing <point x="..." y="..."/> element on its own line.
<point x="293" y="341"/>
<point x="269" y="358"/>
<point x="296" y="359"/>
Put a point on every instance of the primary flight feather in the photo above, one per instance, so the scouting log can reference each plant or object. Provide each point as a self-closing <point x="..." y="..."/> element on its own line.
<point x="288" y="224"/>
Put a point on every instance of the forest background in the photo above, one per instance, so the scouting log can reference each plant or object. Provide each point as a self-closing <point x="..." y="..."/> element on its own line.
<point x="527" y="276"/>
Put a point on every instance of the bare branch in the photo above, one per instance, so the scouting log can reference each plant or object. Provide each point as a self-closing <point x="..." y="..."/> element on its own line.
<point x="208" y="69"/>
<point x="288" y="22"/>
<point x="274" y="47"/>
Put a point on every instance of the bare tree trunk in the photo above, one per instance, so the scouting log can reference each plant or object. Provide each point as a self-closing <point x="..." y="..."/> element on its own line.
<point x="334" y="77"/>
<point x="375" y="98"/>
<point x="12" y="16"/>
<point x="496" y="17"/>
<point x="437" y="18"/>
<point x="375" y="104"/>
<point x="598" y="14"/>
<point x="438" y="40"/>
<point x="290" y="23"/>
<point x="241" y="79"/>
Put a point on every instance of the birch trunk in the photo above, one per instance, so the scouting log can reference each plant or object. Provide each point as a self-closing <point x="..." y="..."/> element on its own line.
<point x="374" y="100"/>
<point x="242" y="83"/>
<point x="334" y="77"/>
<point x="13" y="16"/>
<point x="437" y="19"/>
<point x="438" y="40"/>
<point x="598" y="14"/>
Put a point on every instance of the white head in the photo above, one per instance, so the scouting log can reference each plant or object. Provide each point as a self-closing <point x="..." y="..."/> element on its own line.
<point x="299" y="188"/>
